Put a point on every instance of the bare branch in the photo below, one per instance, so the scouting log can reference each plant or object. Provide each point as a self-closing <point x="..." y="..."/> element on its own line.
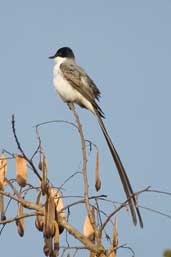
<point x="84" y="169"/>
<point x="26" y="215"/>
<point x="85" y="241"/>
<point x="26" y="204"/>
<point x="121" y="206"/>
<point x="21" y="149"/>
<point x="57" y="121"/>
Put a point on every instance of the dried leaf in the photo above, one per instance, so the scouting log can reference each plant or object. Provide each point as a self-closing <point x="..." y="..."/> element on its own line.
<point x="97" y="173"/>
<point x="21" y="222"/>
<point x="3" y="170"/>
<point x="49" y="227"/>
<point x="21" y="170"/>
<point x="88" y="230"/>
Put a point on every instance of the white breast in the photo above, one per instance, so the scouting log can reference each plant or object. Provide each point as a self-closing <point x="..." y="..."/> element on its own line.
<point x="65" y="90"/>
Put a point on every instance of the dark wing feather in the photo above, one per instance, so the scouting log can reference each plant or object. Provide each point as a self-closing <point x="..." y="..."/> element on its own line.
<point x="79" y="80"/>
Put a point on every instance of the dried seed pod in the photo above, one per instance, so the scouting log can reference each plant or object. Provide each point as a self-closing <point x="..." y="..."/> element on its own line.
<point x="20" y="229"/>
<point x="43" y="168"/>
<point x="21" y="170"/>
<point x="39" y="221"/>
<point x="20" y="222"/>
<point x="2" y="209"/>
<point x="40" y="165"/>
<point x="97" y="173"/>
<point x="55" y="251"/>
<point x="115" y="233"/>
<point x="59" y="207"/>
<point x="49" y="227"/>
<point x="47" y="246"/>
<point x="3" y="170"/>
<point x="88" y="230"/>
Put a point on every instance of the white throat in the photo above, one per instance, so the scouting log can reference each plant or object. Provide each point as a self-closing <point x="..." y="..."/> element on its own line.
<point x="59" y="60"/>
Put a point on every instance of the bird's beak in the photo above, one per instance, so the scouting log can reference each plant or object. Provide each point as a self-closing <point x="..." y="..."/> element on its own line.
<point x="51" y="57"/>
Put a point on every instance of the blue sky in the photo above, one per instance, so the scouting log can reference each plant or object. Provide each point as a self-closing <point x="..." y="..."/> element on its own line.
<point x="125" y="46"/>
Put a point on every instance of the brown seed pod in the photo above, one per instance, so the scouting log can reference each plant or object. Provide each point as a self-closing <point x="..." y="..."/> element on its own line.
<point x="47" y="246"/>
<point x="20" y="222"/>
<point x="40" y="165"/>
<point x="59" y="207"/>
<point x="20" y="228"/>
<point x="97" y="173"/>
<point x="39" y="221"/>
<point x="21" y="170"/>
<point x="3" y="170"/>
<point x="115" y="233"/>
<point x="55" y="251"/>
<point x="2" y="209"/>
<point x="43" y="168"/>
<point x="88" y="230"/>
<point x="49" y="227"/>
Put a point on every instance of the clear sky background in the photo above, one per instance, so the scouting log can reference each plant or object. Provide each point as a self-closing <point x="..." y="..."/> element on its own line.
<point x="125" y="46"/>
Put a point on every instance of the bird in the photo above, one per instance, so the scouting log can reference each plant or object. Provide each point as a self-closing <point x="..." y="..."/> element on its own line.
<point x="74" y="85"/>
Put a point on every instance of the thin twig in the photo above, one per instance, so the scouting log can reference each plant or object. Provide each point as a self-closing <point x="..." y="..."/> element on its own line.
<point x="155" y="211"/>
<point x="122" y="206"/>
<point x="56" y="121"/>
<point x="70" y="177"/>
<point x="21" y="149"/>
<point x="158" y="191"/>
<point x="80" y="201"/>
<point x="26" y="204"/>
<point x="124" y="246"/>
<point x="13" y="188"/>
<point x="26" y="215"/>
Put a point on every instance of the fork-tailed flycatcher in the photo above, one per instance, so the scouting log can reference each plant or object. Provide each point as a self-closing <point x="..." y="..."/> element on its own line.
<point x="74" y="86"/>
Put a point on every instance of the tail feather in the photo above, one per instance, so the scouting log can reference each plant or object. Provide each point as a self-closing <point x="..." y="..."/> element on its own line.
<point x="122" y="173"/>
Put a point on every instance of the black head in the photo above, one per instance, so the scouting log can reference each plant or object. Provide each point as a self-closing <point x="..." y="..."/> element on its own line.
<point x="64" y="52"/>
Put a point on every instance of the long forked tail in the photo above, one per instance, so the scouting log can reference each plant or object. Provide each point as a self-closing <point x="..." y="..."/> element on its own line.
<point x="122" y="173"/>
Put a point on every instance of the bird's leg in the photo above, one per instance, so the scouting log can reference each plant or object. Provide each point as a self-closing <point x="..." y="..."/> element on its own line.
<point x="71" y="106"/>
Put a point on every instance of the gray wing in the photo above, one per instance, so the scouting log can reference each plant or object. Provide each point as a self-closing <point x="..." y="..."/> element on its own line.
<point x="79" y="80"/>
